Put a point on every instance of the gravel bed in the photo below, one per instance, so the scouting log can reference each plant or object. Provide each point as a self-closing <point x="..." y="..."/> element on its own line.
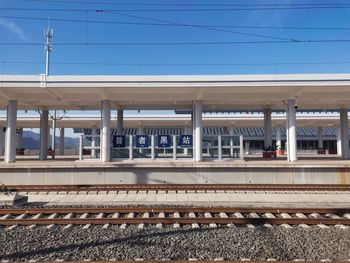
<point x="150" y="243"/>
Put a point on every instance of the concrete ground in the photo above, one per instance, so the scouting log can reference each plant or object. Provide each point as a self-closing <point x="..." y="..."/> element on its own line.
<point x="207" y="198"/>
<point x="328" y="161"/>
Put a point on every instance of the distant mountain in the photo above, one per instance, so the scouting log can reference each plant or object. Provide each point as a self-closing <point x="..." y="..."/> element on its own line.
<point x="31" y="140"/>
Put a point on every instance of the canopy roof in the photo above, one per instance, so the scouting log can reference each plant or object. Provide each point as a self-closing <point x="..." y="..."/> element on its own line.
<point x="217" y="92"/>
<point x="179" y="121"/>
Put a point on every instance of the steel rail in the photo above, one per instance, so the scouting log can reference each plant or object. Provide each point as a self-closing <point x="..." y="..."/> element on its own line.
<point x="199" y="261"/>
<point x="168" y="221"/>
<point x="184" y="187"/>
<point x="82" y="210"/>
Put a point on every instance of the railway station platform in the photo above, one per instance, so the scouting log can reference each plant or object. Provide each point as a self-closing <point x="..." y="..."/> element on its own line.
<point x="276" y="199"/>
<point x="69" y="171"/>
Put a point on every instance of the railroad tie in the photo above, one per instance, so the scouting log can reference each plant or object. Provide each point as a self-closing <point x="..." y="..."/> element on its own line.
<point x="333" y="216"/>
<point x="68" y="216"/>
<point x="52" y="216"/>
<point x="35" y="217"/>
<point x="193" y="215"/>
<point x="176" y="215"/>
<point x="160" y="215"/>
<point x="302" y="216"/>
<point x="208" y="215"/>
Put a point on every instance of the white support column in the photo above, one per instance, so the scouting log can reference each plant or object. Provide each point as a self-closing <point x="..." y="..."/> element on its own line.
<point x="267" y="128"/>
<point x="106" y="131"/>
<point x="186" y="132"/>
<point x="320" y="137"/>
<point x="198" y="130"/>
<point x="219" y="147"/>
<point x="338" y="140"/>
<point x="20" y="138"/>
<point x="53" y="137"/>
<point x="62" y="141"/>
<point x="231" y="133"/>
<point x="10" y="143"/>
<point x="120" y="122"/>
<point x="131" y="147"/>
<point x="153" y="147"/>
<point x="93" y="141"/>
<point x="193" y="134"/>
<point x="174" y="147"/>
<point x="278" y="136"/>
<point x="44" y="134"/>
<point x="292" y="135"/>
<point x="344" y="126"/>
<point x="2" y="140"/>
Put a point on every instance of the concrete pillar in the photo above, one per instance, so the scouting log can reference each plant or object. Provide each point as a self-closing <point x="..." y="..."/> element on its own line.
<point x="291" y="130"/>
<point x="62" y="141"/>
<point x="247" y="147"/>
<point x="186" y="132"/>
<point x="344" y="127"/>
<point x="2" y="140"/>
<point x="10" y="143"/>
<point x="278" y="136"/>
<point x="44" y="134"/>
<point x="198" y="130"/>
<point x="20" y="138"/>
<point x="338" y="140"/>
<point x="106" y="131"/>
<point x="267" y="128"/>
<point x="120" y="122"/>
<point x="193" y="134"/>
<point x="53" y="137"/>
<point x="231" y="133"/>
<point x="93" y="141"/>
<point x="320" y="137"/>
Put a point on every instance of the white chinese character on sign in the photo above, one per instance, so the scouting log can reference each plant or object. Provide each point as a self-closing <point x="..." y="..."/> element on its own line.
<point x="163" y="140"/>
<point x="119" y="140"/>
<point x="186" y="140"/>
<point x="142" y="140"/>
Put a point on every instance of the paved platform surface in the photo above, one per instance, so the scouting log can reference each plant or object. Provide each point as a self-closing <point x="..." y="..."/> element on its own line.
<point x="206" y="198"/>
<point x="72" y="162"/>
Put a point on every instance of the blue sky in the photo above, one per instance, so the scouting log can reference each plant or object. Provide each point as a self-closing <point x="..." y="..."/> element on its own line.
<point x="258" y="58"/>
<point x="188" y="59"/>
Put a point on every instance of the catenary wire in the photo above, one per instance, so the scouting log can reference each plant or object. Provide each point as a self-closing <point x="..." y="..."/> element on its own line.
<point x="170" y="25"/>
<point x="174" y="43"/>
<point x="203" y="27"/>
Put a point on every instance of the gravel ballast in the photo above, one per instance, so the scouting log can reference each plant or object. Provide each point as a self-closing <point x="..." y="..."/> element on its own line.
<point x="150" y="243"/>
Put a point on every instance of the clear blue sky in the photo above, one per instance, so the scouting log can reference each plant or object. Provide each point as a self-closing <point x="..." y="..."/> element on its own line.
<point x="136" y="59"/>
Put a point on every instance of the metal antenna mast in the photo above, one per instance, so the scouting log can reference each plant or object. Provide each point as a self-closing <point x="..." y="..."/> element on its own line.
<point x="48" y="33"/>
<point x="48" y="46"/>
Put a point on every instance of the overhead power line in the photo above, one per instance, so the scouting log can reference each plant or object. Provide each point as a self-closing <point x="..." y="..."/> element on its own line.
<point x="171" y="25"/>
<point x="203" y="27"/>
<point x="179" y="64"/>
<point x="175" y="43"/>
<point x="179" y="9"/>
<point x="183" y="4"/>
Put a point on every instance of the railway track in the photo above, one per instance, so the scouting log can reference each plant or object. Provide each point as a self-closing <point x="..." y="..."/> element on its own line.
<point x="175" y="216"/>
<point x="177" y="187"/>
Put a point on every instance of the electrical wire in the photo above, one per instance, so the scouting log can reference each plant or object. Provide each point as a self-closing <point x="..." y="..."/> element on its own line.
<point x="172" y="25"/>
<point x="182" y="4"/>
<point x="204" y="27"/>
<point x="178" y="64"/>
<point x="174" y="43"/>
<point x="178" y="10"/>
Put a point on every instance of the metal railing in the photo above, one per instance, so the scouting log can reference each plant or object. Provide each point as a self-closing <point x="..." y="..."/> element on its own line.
<point x="215" y="147"/>
<point x="223" y="147"/>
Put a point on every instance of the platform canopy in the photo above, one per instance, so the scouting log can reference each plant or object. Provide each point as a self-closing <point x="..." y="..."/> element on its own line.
<point x="217" y="92"/>
<point x="178" y="121"/>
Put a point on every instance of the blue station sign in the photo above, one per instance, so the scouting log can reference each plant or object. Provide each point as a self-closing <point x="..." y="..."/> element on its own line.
<point x="185" y="141"/>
